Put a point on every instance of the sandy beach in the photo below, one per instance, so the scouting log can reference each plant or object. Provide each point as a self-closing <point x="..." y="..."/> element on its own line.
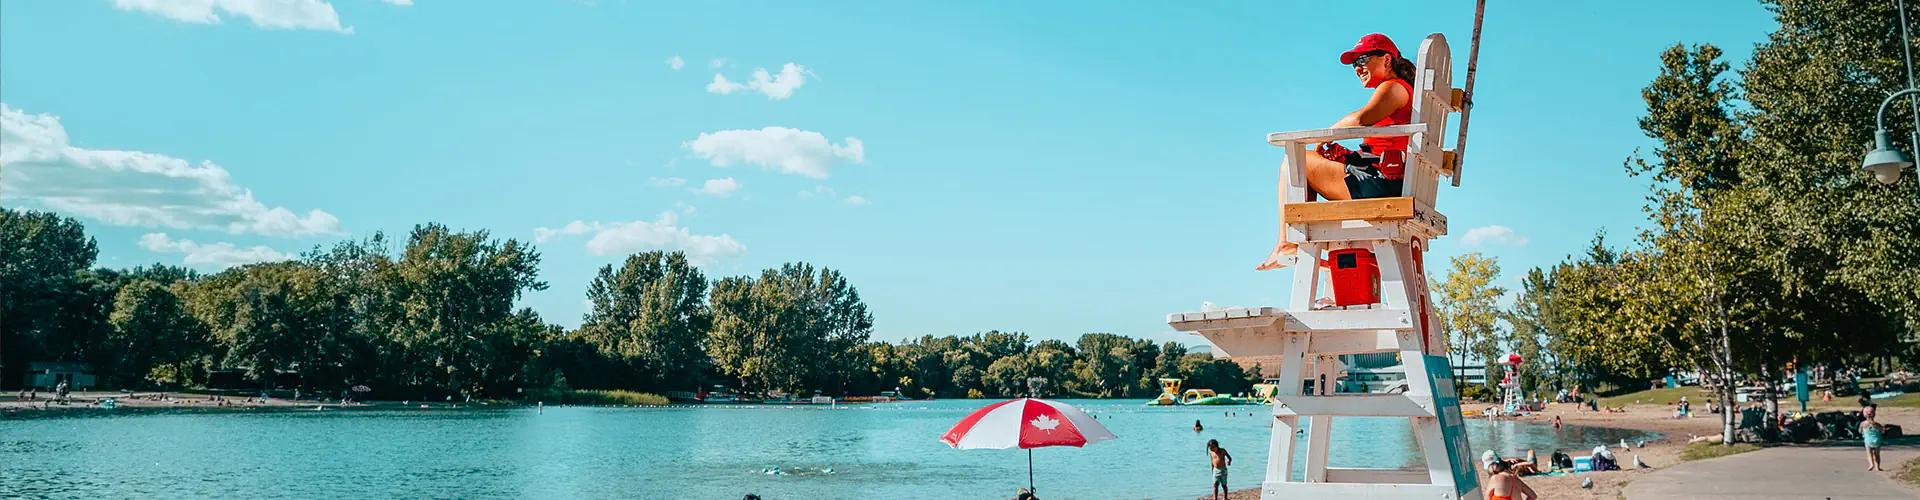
<point x="83" y="401"/>
<point x="1660" y="454"/>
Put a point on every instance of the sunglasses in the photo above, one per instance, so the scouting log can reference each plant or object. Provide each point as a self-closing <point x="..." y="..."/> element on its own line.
<point x="1361" y="62"/>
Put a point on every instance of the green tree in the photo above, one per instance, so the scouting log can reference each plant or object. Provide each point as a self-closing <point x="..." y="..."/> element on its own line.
<point x="39" y="283"/>
<point x="793" y="329"/>
<point x="653" y="315"/>
<point x="1531" y="320"/>
<point x="153" y="336"/>
<point x="1470" y="310"/>
<point x="455" y="292"/>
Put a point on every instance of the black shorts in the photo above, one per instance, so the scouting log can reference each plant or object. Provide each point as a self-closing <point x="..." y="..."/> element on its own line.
<point x="1364" y="180"/>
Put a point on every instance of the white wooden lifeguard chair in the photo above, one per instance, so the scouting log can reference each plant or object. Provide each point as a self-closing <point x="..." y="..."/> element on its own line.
<point x="1309" y="339"/>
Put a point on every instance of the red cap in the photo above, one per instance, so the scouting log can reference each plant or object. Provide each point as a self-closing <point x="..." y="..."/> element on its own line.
<point x="1367" y="44"/>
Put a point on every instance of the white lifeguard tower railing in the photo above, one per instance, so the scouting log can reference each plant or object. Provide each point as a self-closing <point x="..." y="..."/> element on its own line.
<point x="1308" y="339"/>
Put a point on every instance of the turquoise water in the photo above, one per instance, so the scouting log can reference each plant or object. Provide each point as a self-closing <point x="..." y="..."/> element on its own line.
<point x="883" y="451"/>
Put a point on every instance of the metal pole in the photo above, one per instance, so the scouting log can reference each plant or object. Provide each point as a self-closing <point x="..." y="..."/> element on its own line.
<point x="1030" y="471"/>
<point x="1913" y="101"/>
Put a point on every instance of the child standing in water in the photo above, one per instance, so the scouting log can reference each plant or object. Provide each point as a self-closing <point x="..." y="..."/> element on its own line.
<point x="1870" y="430"/>
<point x="1221" y="459"/>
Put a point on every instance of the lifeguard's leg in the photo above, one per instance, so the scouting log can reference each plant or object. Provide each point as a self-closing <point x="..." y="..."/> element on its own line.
<point x="1324" y="176"/>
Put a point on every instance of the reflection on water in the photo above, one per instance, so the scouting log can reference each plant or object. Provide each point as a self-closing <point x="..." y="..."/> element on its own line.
<point x="887" y="451"/>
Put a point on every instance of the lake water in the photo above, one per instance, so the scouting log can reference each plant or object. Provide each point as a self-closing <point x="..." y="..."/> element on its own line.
<point x="880" y="451"/>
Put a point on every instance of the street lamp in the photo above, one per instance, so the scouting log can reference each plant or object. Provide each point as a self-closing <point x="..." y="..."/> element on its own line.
<point x="1884" y="161"/>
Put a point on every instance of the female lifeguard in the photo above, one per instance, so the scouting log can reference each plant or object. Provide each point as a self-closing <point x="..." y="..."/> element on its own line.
<point x="1375" y="171"/>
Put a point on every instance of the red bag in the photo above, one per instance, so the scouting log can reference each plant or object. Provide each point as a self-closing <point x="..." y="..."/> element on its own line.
<point x="1333" y="151"/>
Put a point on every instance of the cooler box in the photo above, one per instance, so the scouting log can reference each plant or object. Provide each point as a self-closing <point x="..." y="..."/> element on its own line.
<point x="1583" y="464"/>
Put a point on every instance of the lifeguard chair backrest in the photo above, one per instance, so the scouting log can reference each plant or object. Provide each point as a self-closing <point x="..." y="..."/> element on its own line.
<point x="1432" y="102"/>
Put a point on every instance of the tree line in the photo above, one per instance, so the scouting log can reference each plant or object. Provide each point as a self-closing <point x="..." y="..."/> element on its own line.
<point x="1767" y="247"/>
<point x="438" y="319"/>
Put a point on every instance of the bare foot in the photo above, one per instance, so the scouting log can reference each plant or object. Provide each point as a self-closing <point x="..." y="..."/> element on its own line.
<point x="1283" y="256"/>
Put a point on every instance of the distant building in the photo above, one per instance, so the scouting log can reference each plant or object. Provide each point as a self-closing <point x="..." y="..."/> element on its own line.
<point x="47" y="374"/>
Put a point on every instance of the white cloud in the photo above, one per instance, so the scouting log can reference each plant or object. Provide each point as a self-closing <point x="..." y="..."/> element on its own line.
<point x="676" y="62"/>
<point x="717" y="63"/>
<point x="269" y="14"/>
<point x="216" y="255"/>
<point x="134" y="188"/>
<point x="785" y="150"/>
<point x="1497" y="235"/>
<point x="621" y="238"/>
<point x="776" y="87"/>
<point x="828" y="193"/>
<point x="666" y="182"/>
<point x="718" y="187"/>
<point x="685" y="209"/>
<point x="821" y="190"/>
<point x="575" y="228"/>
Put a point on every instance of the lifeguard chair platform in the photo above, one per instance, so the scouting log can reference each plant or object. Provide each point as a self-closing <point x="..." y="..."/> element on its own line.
<point x="1308" y="339"/>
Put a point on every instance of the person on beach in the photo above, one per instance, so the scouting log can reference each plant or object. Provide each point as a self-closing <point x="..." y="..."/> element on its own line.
<point x="1870" y="431"/>
<point x="1527" y="467"/>
<point x="1377" y="169"/>
<point x="1505" y="485"/>
<point x="1220" y="459"/>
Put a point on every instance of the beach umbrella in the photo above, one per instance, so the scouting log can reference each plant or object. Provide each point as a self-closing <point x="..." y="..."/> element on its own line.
<point x="1026" y="423"/>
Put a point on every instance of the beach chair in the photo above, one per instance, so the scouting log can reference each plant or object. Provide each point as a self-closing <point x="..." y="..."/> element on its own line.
<point x="1309" y="340"/>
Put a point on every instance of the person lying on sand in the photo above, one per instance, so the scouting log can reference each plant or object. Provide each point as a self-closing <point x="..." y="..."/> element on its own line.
<point x="1527" y="467"/>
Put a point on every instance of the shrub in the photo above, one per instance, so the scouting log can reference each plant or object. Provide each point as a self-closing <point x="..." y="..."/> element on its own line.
<point x="600" y="397"/>
<point x="1477" y="392"/>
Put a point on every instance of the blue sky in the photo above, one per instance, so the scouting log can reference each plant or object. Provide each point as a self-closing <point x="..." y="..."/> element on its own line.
<point x="1049" y="167"/>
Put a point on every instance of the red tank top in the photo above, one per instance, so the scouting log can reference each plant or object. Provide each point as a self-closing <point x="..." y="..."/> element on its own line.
<point x="1393" y="150"/>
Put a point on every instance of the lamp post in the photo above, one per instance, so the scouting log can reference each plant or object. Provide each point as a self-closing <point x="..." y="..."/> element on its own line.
<point x="1884" y="161"/>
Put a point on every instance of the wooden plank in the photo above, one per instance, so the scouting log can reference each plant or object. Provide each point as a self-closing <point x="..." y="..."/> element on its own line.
<point x="1377" y="476"/>
<point x="1363" y="342"/>
<point x="1319" y="437"/>
<point x="1349" y="320"/>
<point x="1458" y="97"/>
<point x="1356" y="405"/>
<point x="1278" y="489"/>
<point x="1373" y="209"/>
<point x="1327" y="320"/>
<point x="1342" y="133"/>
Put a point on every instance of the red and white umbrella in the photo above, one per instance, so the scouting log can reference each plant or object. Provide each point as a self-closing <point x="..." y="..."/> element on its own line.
<point x="1026" y="423"/>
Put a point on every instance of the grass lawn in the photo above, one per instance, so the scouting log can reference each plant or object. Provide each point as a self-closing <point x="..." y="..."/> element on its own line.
<point x="1853" y="403"/>
<point x="1694" y="395"/>
<point x="1909" y="473"/>
<point x="1703" y="451"/>
<point x="1699" y="398"/>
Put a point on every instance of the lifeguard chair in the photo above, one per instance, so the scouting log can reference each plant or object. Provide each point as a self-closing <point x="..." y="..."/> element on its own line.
<point x="1309" y="339"/>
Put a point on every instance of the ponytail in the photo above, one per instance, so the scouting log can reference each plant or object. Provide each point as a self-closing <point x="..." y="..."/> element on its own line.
<point x="1404" y="69"/>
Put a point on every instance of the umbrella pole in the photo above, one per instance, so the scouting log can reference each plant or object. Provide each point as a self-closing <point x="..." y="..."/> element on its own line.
<point x="1030" y="470"/>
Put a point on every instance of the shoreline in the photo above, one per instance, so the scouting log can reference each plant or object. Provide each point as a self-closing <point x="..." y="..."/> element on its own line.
<point x="1657" y="454"/>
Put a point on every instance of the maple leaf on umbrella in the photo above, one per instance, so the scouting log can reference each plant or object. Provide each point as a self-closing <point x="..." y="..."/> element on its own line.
<point x="1044" y="423"/>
